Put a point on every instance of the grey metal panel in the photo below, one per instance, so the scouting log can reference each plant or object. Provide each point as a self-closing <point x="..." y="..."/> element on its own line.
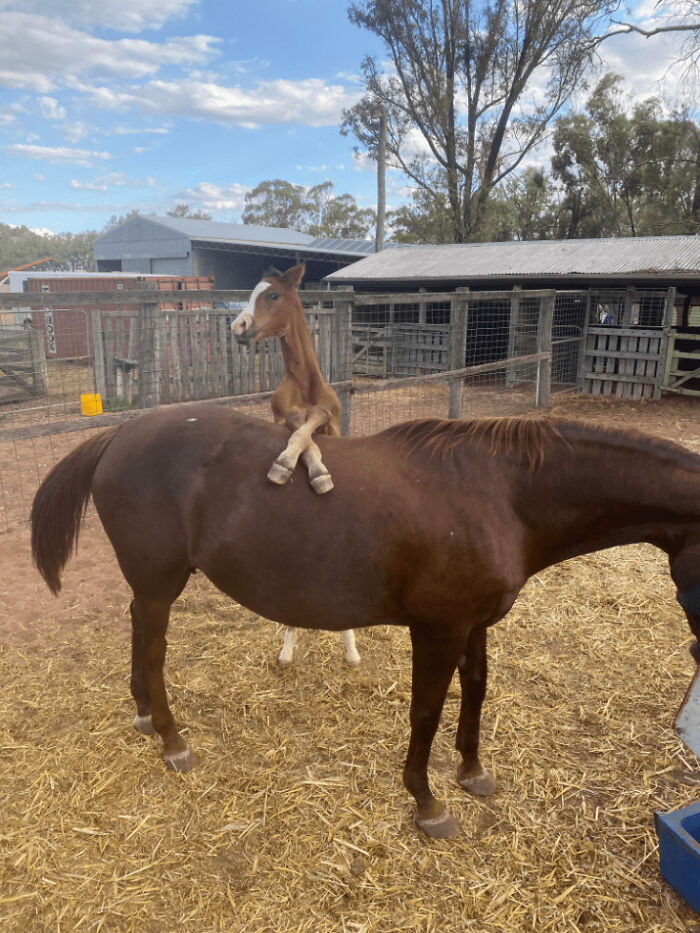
<point x="141" y="237"/>
<point x="470" y="261"/>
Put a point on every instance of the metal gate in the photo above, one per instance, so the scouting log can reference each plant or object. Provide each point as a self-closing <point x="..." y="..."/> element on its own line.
<point x="22" y="363"/>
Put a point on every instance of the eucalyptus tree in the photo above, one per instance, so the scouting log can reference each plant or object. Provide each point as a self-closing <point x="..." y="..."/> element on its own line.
<point x="469" y="89"/>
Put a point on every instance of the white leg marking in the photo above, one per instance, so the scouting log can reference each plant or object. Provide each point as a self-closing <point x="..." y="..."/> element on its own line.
<point x="351" y="653"/>
<point x="287" y="652"/>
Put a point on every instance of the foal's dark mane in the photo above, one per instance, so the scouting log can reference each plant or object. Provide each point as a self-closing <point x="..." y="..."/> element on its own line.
<point x="527" y="440"/>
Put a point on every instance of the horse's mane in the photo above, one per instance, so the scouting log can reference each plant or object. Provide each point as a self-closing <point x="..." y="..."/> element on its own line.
<point x="525" y="439"/>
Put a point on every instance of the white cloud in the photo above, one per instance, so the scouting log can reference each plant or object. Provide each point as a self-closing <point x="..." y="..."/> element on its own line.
<point x="76" y="131"/>
<point x="124" y="15"/>
<point x="136" y="131"/>
<point x="6" y="184"/>
<point x="56" y="154"/>
<point x="50" y="109"/>
<point x="310" y="102"/>
<point x="213" y="198"/>
<point x="40" y="53"/>
<point x="112" y="180"/>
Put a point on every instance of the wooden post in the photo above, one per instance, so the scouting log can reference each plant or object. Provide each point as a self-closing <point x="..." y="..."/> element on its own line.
<point x="35" y="339"/>
<point x="342" y="363"/>
<point x="514" y="333"/>
<point x="149" y="395"/>
<point x="98" y="353"/>
<point x="457" y="348"/>
<point x="543" y="385"/>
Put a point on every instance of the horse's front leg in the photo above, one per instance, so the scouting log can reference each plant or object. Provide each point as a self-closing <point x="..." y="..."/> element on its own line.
<point x="300" y="444"/>
<point x="471" y="775"/>
<point x="435" y="657"/>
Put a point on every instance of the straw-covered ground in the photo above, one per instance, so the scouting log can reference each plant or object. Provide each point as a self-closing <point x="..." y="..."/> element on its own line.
<point x="296" y="819"/>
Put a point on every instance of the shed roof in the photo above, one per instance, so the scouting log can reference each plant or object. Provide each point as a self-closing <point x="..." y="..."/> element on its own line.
<point x="251" y="236"/>
<point x="606" y="257"/>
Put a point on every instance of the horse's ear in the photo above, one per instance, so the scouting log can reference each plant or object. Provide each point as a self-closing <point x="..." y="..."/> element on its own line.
<point x="272" y="273"/>
<point x="292" y="277"/>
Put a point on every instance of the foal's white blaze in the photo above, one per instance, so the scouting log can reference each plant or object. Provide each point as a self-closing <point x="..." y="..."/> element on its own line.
<point x="247" y="315"/>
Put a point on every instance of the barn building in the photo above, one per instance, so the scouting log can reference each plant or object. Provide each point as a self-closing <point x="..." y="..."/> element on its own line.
<point x="648" y="288"/>
<point x="233" y="255"/>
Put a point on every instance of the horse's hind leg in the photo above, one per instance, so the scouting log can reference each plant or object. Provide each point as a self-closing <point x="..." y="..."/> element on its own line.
<point x="471" y="775"/>
<point x="143" y="720"/>
<point x="153" y="615"/>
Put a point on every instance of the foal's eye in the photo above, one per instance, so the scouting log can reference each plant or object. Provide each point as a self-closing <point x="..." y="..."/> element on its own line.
<point x="273" y="296"/>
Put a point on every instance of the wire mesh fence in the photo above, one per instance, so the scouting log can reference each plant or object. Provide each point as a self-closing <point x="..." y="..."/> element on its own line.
<point x="409" y="356"/>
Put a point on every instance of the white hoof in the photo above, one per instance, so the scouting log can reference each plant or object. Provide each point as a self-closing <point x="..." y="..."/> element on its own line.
<point x="279" y="474"/>
<point x="285" y="659"/>
<point x="180" y="761"/>
<point x="322" y="483"/>
<point x="144" y="724"/>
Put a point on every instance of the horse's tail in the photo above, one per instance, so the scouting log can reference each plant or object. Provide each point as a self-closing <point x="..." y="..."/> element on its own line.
<point x="60" y="505"/>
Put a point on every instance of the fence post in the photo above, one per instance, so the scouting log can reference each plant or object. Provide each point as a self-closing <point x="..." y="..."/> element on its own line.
<point x="543" y="384"/>
<point x="98" y="353"/>
<point x="457" y="348"/>
<point x="38" y="357"/>
<point x="342" y="369"/>
<point x="148" y="355"/>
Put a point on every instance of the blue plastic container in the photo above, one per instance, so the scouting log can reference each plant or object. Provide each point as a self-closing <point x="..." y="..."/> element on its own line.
<point x="679" y="851"/>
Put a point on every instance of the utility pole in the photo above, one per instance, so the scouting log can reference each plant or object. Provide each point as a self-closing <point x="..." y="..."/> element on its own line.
<point x="381" y="181"/>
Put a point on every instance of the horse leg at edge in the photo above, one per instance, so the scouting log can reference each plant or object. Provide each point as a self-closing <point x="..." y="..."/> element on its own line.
<point x="471" y="775"/>
<point x="434" y="662"/>
<point x="153" y="617"/>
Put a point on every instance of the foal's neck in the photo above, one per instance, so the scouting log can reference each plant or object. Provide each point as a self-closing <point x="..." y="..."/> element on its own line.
<point x="300" y="362"/>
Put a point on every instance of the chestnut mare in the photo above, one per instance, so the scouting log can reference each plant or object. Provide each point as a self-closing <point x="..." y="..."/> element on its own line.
<point x="274" y="310"/>
<point x="433" y="524"/>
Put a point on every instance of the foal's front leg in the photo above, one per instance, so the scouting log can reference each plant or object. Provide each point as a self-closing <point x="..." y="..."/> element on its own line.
<point x="301" y="444"/>
<point x="472" y="775"/>
<point x="435" y="657"/>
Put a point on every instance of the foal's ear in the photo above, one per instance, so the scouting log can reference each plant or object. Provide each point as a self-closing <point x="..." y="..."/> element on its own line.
<point x="292" y="277"/>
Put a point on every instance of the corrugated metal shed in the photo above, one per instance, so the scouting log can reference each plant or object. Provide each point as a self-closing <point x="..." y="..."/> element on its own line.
<point x="638" y="258"/>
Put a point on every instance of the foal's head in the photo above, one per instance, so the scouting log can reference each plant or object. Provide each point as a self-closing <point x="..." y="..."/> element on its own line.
<point x="271" y="303"/>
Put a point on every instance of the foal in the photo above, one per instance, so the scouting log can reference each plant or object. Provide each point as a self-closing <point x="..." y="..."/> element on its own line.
<point x="303" y="400"/>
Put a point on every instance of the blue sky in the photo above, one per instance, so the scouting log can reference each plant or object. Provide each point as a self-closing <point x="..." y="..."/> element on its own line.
<point x="112" y="105"/>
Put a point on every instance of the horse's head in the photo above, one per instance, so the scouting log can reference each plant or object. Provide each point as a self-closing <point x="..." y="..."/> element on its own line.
<point x="271" y="304"/>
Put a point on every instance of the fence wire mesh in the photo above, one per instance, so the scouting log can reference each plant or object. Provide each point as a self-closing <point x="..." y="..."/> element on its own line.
<point x="50" y="358"/>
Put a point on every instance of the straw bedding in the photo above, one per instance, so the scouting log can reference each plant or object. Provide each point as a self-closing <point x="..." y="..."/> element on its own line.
<point x="296" y="818"/>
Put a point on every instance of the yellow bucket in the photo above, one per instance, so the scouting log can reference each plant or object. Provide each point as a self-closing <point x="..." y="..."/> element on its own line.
<point x="91" y="404"/>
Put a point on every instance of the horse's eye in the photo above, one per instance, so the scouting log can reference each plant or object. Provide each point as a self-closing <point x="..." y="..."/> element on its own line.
<point x="273" y="296"/>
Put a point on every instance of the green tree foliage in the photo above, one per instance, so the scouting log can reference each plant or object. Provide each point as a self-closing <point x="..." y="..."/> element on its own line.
<point x="69" y="252"/>
<point x="186" y="212"/>
<point x="316" y="211"/>
<point x="457" y="93"/>
<point x="626" y="175"/>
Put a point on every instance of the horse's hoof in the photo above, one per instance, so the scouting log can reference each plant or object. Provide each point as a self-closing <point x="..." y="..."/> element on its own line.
<point x="284" y="660"/>
<point x="322" y="483"/>
<point x="144" y="724"/>
<point x="481" y="784"/>
<point x="279" y="474"/>
<point x="354" y="660"/>
<point x="444" y="826"/>
<point x="180" y="761"/>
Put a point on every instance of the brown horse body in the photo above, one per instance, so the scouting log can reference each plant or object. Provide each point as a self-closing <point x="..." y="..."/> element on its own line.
<point x="303" y="400"/>
<point x="433" y="525"/>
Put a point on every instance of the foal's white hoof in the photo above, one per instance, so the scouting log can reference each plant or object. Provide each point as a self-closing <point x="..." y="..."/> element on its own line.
<point x="322" y="483"/>
<point x="144" y="724"/>
<point x="284" y="660"/>
<point x="279" y="474"/>
<point x="180" y="761"/>
<point x="354" y="660"/>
